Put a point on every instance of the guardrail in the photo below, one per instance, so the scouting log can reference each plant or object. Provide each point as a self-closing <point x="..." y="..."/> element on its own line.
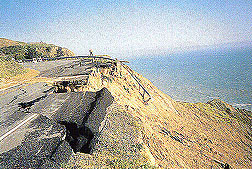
<point x="69" y="57"/>
<point x="139" y="83"/>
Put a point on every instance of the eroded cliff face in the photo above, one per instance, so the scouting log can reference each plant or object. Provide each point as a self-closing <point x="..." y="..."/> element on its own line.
<point x="167" y="134"/>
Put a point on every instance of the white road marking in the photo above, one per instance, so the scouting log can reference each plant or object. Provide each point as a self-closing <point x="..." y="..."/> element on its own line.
<point x="15" y="128"/>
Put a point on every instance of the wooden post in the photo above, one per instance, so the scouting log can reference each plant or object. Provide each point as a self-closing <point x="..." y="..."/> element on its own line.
<point x="118" y="65"/>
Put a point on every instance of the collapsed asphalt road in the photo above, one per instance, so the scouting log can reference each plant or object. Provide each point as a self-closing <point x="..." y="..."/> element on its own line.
<point x="40" y="128"/>
<point x="64" y="123"/>
<point x="66" y="68"/>
<point x="13" y="102"/>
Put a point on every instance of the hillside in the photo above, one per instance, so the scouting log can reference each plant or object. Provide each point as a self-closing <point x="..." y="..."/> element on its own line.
<point x="12" y="73"/>
<point x="6" y="42"/>
<point x="176" y="134"/>
<point x="10" y="68"/>
<point x="22" y="50"/>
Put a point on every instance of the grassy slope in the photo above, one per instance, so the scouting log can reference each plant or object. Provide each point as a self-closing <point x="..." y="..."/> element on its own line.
<point x="12" y="74"/>
<point x="6" y="42"/>
<point x="10" y="68"/>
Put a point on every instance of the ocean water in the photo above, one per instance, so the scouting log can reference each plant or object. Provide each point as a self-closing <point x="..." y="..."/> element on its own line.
<point x="201" y="76"/>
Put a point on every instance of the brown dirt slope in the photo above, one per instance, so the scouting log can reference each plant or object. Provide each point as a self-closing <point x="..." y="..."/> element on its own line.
<point x="176" y="134"/>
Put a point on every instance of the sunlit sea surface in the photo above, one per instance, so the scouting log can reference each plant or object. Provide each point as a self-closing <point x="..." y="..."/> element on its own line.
<point x="201" y="76"/>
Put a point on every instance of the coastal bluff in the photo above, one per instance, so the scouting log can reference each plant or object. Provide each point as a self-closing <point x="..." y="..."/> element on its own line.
<point x="93" y="113"/>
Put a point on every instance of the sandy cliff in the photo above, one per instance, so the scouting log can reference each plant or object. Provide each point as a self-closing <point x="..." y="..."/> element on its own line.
<point x="173" y="134"/>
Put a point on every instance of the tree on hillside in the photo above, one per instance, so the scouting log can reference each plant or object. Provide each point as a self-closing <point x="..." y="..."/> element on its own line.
<point x="48" y="49"/>
<point x="60" y="52"/>
<point x="32" y="53"/>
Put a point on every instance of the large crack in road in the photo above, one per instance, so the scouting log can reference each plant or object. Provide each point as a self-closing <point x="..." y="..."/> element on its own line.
<point x="43" y="129"/>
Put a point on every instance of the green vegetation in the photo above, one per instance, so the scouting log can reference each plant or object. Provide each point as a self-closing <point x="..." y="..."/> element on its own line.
<point x="27" y="51"/>
<point x="10" y="68"/>
<point x="122" y="163"/>
<point x="21" y="50"/>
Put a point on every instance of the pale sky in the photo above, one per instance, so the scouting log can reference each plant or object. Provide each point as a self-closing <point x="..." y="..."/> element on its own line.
<point x="126" y="26"/>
